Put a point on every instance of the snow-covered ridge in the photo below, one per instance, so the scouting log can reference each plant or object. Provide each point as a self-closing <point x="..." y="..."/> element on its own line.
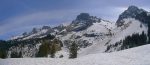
<point x="99" y="35"/>
<point x="36" y="34"/>
<point x="131" y="26"/>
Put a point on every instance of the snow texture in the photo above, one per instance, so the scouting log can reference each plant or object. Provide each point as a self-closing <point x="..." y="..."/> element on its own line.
<point x="134" y="56"/>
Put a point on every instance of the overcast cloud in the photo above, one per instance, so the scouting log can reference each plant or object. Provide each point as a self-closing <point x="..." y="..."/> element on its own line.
<point x="17" y="16"/>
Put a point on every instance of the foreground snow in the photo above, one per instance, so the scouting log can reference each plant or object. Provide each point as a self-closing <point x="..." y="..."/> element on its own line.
<point x="135" y="56"/>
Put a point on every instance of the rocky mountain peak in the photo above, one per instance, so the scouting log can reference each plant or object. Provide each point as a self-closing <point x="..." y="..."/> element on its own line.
<point x="133" y="8"/>
<point x="46" y="27"/>
<point x="83" y="16"/>
<point x="83" y="21"/>
<point x="131" y="12"/>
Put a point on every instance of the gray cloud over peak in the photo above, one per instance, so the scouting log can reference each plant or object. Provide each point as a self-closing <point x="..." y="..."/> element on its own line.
<point x="22" y="15"/>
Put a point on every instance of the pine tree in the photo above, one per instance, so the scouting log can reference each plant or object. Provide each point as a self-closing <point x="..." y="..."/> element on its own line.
<point x="54" y="47"/>
<point x="20" y="54"/>
<point x="44" y="49"/>
<point x="73" y="50"/>
<point x="3" y="53"/>
<point x="53" y="50"/>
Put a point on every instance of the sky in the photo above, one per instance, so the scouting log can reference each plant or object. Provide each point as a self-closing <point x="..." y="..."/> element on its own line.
<point x="18" y="16"/>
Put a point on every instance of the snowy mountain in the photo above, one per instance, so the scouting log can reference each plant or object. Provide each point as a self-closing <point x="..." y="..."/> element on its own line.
<point x="35" y="33"/>
<point x="92" y="35"/>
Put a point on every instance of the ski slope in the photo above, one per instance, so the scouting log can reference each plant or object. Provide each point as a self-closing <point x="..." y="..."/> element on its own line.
<point x="134" y="56"/>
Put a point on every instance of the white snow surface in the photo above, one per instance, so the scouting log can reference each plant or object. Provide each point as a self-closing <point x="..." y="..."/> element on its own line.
<point x="16" y="37"/>
<point x="134" y="56"/>
<point x="102" y="27"/>
<point x="131" y="26"/>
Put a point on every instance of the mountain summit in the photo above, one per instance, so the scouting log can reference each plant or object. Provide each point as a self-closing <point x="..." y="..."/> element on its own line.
<point x="131" y="12"/>
<point x="82" y="22"/>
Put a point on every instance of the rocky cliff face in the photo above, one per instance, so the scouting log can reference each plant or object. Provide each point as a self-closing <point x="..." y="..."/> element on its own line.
<point x="131" y="12"/>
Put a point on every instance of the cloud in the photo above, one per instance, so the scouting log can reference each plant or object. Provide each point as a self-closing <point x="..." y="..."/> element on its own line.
<point x="26" y="14"/>
<point x="38" y="18"/>
<point x="55" y="17"/>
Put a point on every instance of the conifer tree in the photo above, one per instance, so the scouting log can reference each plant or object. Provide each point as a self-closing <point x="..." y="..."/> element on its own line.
<point x="44" y="49"/>
<point x="53" y="50"/>
<point x="2" y="53"/>
<point x="73" y="50"/>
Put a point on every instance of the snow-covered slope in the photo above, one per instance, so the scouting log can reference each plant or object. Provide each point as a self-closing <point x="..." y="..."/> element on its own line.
<point x="97" y="37"/>
<point x="134" y="56"/>
<point x="131" y="26"/>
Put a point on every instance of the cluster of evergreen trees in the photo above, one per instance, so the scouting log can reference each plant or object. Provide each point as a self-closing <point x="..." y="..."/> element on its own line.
<point x="16" y="55"/>
<point x="144" y="18"/>
<point x="6" y="45"/>
<point x="3" y="49"/>
<point x="134" y="40"/>
<point x="149" y="30"/>
<point x="129" y="42"/>
<point x="49" y="48"/>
